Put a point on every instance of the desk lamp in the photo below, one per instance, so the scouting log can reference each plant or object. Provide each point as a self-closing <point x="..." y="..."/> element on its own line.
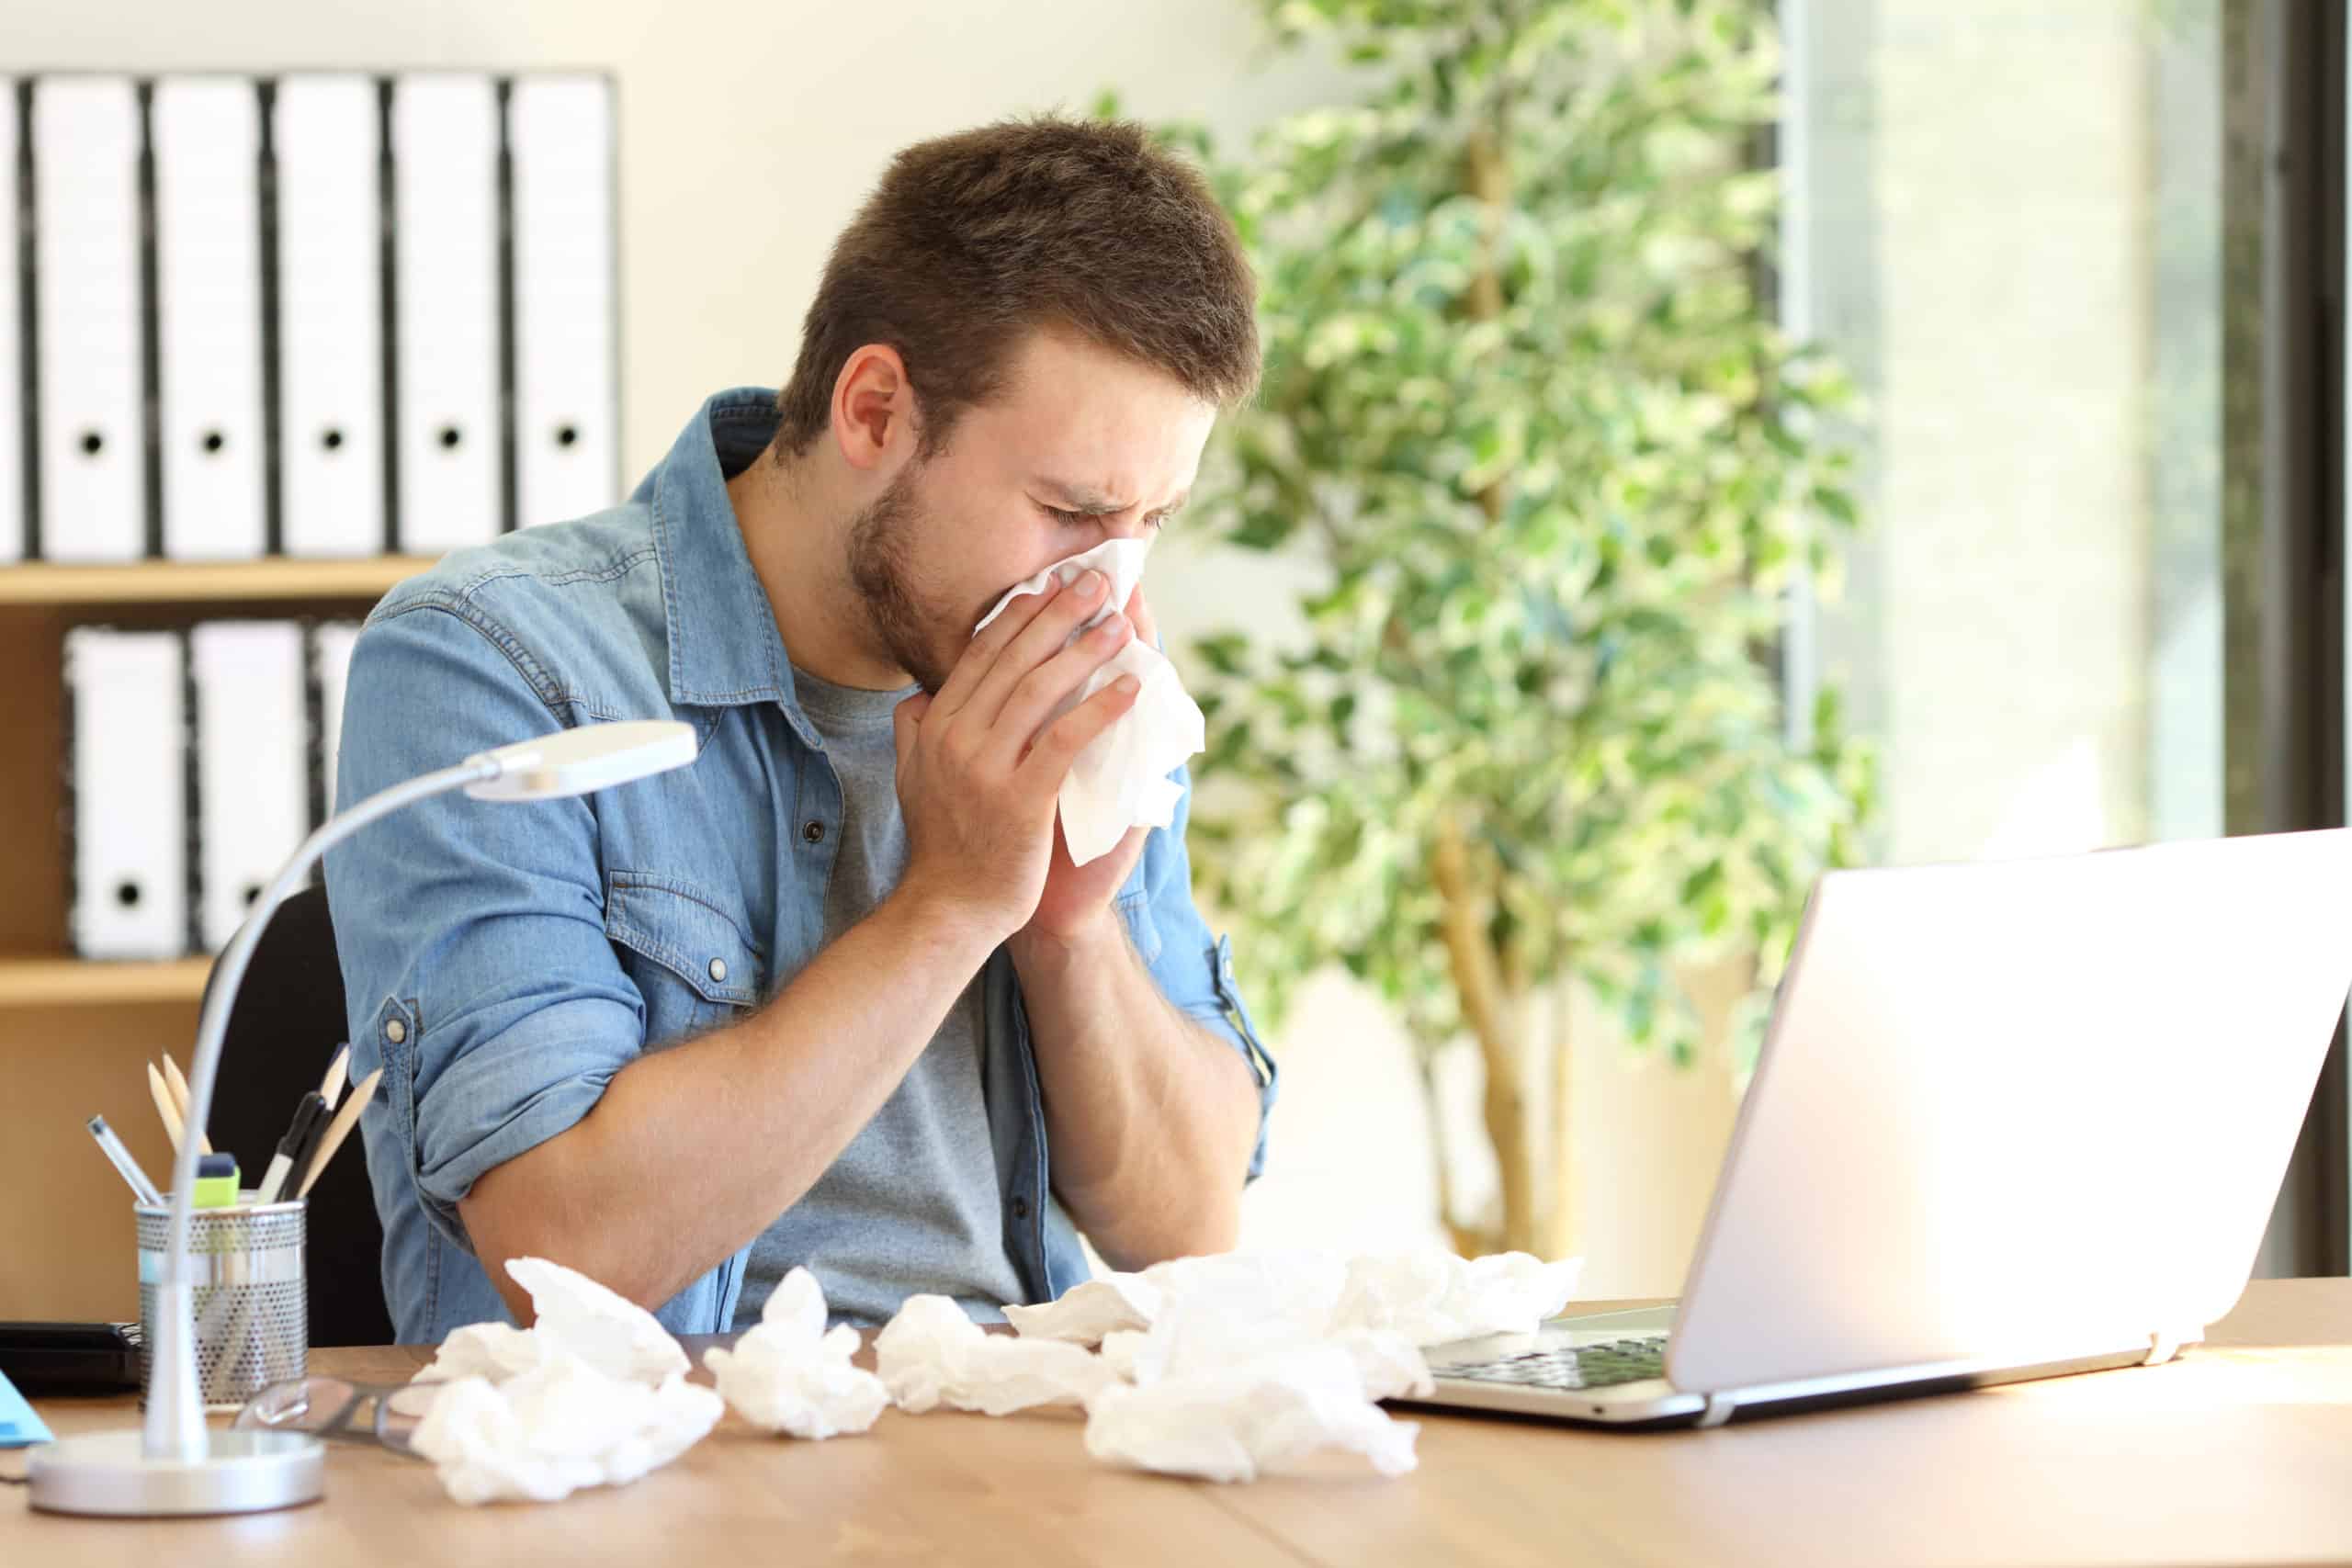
<point x="173" y="1465"/>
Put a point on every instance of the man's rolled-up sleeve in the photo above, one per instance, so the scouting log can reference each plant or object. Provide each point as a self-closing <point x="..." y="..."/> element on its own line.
<point x="1194" y="971"/>
<point x="470" y="933"/>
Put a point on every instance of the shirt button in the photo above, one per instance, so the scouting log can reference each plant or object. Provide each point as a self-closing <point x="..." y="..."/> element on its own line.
<point x="395" y="1031"/>
<point x="1021" y="1208"/>
<point x="718" y="968"/>
<point x="814" y="833"/>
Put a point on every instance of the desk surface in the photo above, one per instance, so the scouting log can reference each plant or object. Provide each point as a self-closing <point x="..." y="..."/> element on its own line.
<point x="2239" y="1453"/>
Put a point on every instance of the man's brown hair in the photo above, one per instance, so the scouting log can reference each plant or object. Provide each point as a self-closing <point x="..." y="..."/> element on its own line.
<point x="972" y="240"/>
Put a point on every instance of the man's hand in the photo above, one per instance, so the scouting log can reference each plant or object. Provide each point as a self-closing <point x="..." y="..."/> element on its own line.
<point x="979" y="767"/>
<point x="1078" y="897"/>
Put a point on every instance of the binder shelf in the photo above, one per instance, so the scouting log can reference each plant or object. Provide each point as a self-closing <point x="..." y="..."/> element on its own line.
<point x="76" y="981"/>
<point x="207" y="582"/>
<point x="103" y="1003"/>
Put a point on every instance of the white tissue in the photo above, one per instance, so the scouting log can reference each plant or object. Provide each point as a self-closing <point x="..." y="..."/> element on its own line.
<point x="575" y="1314"/>
<point x="1296" y="1289"/>
<point x="1253" y="1361"/>
<point x="1235" y="1424"/>
<point x="1106" y="1304"/>
<point x="1433" y="1297"/>
<point x="788" y="1374"/>
<point x="1121" y="780"/>
<point x="610" y="1331"/>
<point x="495" y="1351"/>
<point x="930" y="1354"/>
<point x="1202" y="1334"/>
<point x="593" y="1394"/>
<point x="560" y="1426"/>
<point x="1430" y="1297"/>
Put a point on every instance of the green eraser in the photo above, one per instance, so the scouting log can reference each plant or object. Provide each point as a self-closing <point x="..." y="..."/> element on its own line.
<point x="216" y="1182"/>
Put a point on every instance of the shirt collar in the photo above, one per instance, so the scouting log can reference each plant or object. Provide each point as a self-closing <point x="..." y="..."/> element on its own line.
<point x="725" y="648"/>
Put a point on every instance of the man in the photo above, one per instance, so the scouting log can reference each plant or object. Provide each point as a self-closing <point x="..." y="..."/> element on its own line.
<point x="835" y="995"/>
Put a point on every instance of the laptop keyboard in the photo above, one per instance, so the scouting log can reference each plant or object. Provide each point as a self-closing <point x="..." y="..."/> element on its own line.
<point x="1587" y="1365"/>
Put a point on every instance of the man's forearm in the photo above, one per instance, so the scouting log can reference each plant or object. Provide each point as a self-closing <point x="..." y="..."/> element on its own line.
<point x="1149" y="1116"/>
<point x="694" y="1150"/>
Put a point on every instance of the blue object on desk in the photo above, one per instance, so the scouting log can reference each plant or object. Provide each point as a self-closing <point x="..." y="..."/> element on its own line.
<point x="20" y="1427"/>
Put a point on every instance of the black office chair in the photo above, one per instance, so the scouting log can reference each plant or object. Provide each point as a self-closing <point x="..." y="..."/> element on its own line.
<point x="287" y="1023"/>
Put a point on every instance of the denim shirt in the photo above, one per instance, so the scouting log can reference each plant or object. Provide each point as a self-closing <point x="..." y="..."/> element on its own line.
<point x="502" y="961"/>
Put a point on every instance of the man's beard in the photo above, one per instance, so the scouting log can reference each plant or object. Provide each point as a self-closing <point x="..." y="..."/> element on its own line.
<point x="881" y="569"/>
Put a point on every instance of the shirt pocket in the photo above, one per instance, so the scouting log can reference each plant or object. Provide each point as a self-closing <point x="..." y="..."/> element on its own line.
<point x="686" y="953"/>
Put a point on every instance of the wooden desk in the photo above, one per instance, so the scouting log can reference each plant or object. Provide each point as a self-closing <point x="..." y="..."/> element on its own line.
<point x="2240" y="1452"/>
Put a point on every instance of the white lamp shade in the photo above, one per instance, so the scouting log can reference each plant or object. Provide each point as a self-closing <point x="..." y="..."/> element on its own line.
<point x="584" y="759"/>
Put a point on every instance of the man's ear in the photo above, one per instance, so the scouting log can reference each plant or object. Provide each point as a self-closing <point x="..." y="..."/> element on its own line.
<point x="874" y="407"/>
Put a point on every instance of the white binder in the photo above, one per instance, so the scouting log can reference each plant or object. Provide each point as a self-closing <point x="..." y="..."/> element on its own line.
<point x="206" y="134"/>
<point x="325" y="134"/>
<point x="331" y="645"/>
<point x="251" y="763"/>
<point x="559" y="132"/>
<point x="93" y="458"/>
<point x="130" y="799"/>
<point x="12" y="366"/>
<point x="445" y="236"/>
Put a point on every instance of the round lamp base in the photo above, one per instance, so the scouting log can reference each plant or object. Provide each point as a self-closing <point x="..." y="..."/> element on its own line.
<point x="241" y="1473"/>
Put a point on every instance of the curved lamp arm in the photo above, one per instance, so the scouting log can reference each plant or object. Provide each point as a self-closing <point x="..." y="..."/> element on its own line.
<point x="571" y="761"/>
<point x="174" y="1420"/>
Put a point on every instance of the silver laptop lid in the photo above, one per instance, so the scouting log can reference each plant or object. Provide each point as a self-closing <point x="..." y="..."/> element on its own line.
<point x="2020" y="1111"/>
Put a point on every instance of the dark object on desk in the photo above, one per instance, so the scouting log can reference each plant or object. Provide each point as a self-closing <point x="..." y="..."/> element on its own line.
<point x="286" y="1026"/>
<point x="70" y="1357"/>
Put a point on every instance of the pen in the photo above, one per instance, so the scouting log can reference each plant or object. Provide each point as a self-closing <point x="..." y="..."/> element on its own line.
<point x="140" y="1188"/>
<point x="294" y="1149"/>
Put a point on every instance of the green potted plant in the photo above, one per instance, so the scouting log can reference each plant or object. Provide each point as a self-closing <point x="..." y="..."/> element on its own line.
<point x="1526" y="413"/>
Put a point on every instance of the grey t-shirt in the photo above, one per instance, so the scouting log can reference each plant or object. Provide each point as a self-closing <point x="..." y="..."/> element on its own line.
<point x="911" y="1205"/>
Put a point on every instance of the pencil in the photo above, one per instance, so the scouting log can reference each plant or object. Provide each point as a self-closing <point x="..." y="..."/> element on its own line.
<point x="344" y="1120"/>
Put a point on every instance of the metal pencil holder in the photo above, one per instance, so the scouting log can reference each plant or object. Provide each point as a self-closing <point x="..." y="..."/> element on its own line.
<point x="250" y="1295"/>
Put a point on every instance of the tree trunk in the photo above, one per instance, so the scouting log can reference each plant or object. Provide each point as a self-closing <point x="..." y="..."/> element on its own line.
<point x="1492" y="1015"/>
<point x="1564" y="1217"/>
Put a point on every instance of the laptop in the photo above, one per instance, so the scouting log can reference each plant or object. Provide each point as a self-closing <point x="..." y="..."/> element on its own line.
<point x="2010" y="1120"/>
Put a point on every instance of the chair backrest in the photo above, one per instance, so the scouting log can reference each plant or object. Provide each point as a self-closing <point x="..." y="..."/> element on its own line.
<point x="287" y="1023"/>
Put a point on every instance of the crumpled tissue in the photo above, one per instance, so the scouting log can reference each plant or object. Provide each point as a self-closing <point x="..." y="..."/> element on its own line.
<point x="1249" y="1362"/>
<point x="1434" y="1297"/>
<point x="1090" y="1311"/>
<point x="1120" y="781"/>
<point x="1239" y="1422"/>
<point x="931" y="1354"/>
<point x="788" y="1374"/>
<point x="576" y="1317"/>
<point x="1238" y="1375"/>
<point x="560" y="1426"/>
<point x="593" y="1395"/>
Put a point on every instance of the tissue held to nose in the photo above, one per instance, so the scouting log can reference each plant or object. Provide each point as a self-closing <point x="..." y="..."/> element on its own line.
<point x="1121" y="780"/>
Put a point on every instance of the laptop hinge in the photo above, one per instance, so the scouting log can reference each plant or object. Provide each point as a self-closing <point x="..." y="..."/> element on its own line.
<point x="2163" y="1346"/>
<point x="1718" y="1411"/>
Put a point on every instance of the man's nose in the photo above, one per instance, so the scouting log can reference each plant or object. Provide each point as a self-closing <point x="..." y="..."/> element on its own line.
<point x="1126" y="525"/>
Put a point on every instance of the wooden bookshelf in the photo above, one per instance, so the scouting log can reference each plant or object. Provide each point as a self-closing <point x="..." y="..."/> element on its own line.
<point x="198" y="583"/>
<point x="75" y="1034"/>
<point x="80" y="981"/>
